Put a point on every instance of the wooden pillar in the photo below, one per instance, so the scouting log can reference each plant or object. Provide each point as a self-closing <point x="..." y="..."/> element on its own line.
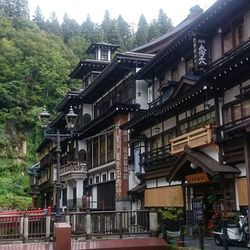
<point x="121" y="152"/>
<point x="247" y="165"/>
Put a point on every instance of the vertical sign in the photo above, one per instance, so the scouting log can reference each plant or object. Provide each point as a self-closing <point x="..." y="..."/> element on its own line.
<point x="200" y="52"/>
<point x="121" y="151"/>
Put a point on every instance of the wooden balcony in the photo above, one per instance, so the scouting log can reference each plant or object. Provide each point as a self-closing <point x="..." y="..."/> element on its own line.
<point x="155" y="157"/>
<point x="194" y="139"/>
<point x="73" y="170"/>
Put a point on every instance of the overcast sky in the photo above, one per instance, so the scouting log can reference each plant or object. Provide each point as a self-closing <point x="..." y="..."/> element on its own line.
<point x="131" y="10"/>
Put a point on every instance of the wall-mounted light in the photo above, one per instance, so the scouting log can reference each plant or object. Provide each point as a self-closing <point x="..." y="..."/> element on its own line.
<point x="193" y="166"/>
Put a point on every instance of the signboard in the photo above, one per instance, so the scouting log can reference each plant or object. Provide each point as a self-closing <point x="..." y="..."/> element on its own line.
<point x="198" y="210"/>
<point x="200" y="52"/>
<point x="199" y="178"/>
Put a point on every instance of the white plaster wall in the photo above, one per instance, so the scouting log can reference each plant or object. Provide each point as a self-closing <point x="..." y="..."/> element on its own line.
<point x="133" y="180"/>
<point x="246" y="83"/>
<point x="88" y="108"/>
<point x="216" y="47"/>
<point x="79" y="188"/>
<point x="212" y="151"/>
<point x="82" y="145"/>
<point x="142" y="87"/>
<point x="247" y="25"/>
<point x="168" y="75"/>
<point x="229" y="95"/>
<point x="147" y="132"/>
<point x="156" y="127"/>
<point x="182" y="116"/>
<point x="151" y="183"/>
<point x="242" y="169"/>
<point x="170" y="123"/>
<point x="156" y="87"/>
<point x="161" y="182"/>
<point x="94" y="197"/>
<point x="181" y="69"/>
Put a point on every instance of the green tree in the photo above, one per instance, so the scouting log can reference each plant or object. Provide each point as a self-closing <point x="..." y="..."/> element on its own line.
<point x="70" y="28"/>
<point x="52" y="25"/>
<point x="113" y="35"/>
<point x="87" y="29"/>
<point x="106" y="24"/>
<point x="124" y="33"/>
<point x="21" y="8"/>
<point x="141" y="35"/>
<point x="38" y="18"/>
<point x="153" y="30"/>
<point x="164" y="22"/>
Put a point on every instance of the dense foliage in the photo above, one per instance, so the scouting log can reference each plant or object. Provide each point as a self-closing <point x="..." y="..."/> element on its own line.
<point x="36" y="58"/>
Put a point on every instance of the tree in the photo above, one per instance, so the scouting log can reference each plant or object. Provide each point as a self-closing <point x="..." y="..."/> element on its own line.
<point x="113" y="35"/>
<point x="141" y="35"/>
<point x="15" y="8"/>
<point x="106" y="24"/>
<point x="87" y="29"/>
<point x="153" y="30"/>
<point x="164" y="22"/>
<point x="124" y="33"/>
<point x="70" y="28"/>
<point x="21" y="8"/>
<point x="52" y="25"/>
<point x="38" y="18"/>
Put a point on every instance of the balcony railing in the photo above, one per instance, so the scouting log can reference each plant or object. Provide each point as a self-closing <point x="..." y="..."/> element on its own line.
<point x="73" y="169"/>
<point x="196" y="138"/>
<point x="154" y="156"/>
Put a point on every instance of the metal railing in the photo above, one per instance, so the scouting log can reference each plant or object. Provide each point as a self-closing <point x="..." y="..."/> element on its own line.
<point x="158" y="154"/>
<point x="33" y="227"/>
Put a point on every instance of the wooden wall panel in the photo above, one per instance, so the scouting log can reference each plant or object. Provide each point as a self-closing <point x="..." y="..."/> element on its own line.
<point x="164" y="197"/>
<point x="242" y="191"/>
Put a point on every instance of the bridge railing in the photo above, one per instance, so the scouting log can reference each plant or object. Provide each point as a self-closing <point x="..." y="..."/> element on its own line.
<point x="32" y="227"/>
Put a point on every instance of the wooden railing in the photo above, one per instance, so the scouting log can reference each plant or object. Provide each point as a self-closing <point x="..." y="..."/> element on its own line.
<point x="155" y="155"/>
<point x="73" y="168"/>
<point x="196" y="138"/>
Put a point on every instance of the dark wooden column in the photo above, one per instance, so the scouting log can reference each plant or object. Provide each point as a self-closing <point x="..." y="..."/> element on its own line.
<point x="247" y="164"/>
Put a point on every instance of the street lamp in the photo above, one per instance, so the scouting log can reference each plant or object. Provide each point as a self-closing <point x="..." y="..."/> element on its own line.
<point x="71" y="120"/>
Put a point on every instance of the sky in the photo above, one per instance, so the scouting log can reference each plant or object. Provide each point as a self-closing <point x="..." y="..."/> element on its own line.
<point x="130" y="10"/>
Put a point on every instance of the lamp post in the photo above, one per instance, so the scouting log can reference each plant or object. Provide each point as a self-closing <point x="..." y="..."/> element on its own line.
<point x="70" y="119"/>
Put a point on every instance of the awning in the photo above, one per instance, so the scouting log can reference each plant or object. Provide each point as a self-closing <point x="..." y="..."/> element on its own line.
<point x="198" y="159"/>
<point x="138" y="189"/>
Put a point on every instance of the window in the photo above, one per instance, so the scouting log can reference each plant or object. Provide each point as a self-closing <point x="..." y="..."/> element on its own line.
<point x="111" y="176"/>
<point x="110" y="147"/>
<point x="238" y="33"/>
<point x="197" y="122"/>
<point x="104" y="54"/>
<point x="95" y="152"/>
<point x="150" y="94"/>
<point x="89" y="152"/>
<point x="227" y="41"/>
<point x="175" y="75"/>
<point x="168" y="136"/>
<point x="102" y="149"/>
<point x="97" y="179"/>
<point x="156" y="142"/>
<point x="104" y="177"/>
<point x="90" y="181"/>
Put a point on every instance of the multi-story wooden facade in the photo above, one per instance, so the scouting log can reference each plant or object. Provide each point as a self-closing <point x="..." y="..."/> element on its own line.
<point x="164" y="130"/>
<point x="189" y="146"/>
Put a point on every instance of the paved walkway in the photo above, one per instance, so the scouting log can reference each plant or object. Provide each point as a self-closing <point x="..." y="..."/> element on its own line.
<point x="190" y="244"/>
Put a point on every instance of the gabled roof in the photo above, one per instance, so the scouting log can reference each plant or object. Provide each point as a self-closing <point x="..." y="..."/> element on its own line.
<point x="201" y="160"/>
<point x="202" y="25"/>
<point x="160" y="42"/>
<point x="86" y="66"/>
<point x="122" y="64"/>
<point x="93" y="46"/>
<point x="71" y="98"/>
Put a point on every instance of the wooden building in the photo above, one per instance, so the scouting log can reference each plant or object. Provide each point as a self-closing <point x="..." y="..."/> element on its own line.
<point x="191" y="145"/>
